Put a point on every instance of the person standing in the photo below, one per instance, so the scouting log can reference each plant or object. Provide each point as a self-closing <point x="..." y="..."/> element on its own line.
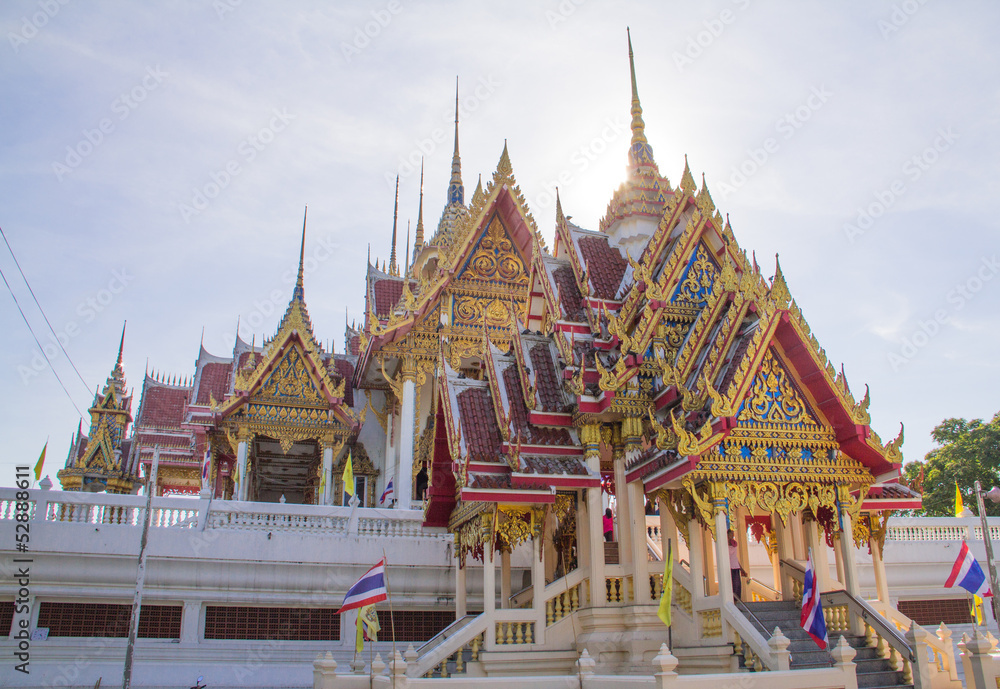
<point x="609" y="525"/>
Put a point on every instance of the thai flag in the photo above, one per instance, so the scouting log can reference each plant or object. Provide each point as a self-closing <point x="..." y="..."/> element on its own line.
<point x="812" y="609"/>
<point x="386" y="493"/>
<point x="370" y="588"/>
<point x="205" y="467"/>
<point x="967" y="573"/>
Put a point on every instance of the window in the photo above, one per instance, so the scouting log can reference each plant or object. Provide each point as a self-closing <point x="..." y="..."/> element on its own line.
<point x="360" y="485"/>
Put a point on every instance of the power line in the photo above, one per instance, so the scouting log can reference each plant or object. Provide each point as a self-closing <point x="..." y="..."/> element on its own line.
<point x="40" y="348"/>
<point x="51" y="329"/>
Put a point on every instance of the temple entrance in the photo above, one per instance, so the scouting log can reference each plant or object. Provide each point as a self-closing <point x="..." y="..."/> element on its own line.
<point x="291" y="474"/>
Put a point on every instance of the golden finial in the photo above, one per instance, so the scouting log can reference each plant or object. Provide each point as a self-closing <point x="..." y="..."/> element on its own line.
<point x="504" y="167"/>
<point x="704" y="199"/>
<point x="393" y="269"/>
<point x="478" y="195"/>
<point x="640" y="151"/>
<point x="419" y="239"/>
<point x="687" y="179"/>
<point x="560" y="218"/>
<point x="456" y="191"/>
<point x="406" y="265"/>
<point x="299" y="292"/>
<point x="779" y="288"/>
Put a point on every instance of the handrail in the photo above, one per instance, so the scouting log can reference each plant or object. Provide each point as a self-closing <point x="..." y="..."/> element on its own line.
<point x="442" y="645"/>
<point x="749" y="634"/>
<point x="743" y="608"/>
<point x="872" y="618"/>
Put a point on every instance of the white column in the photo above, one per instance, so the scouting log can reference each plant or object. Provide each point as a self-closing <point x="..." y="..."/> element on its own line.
<point x="538" y="579"/>
<point x="848" y="555"/>
<point x="623" y="515"/>
<point x="404" y="474"/>
<point x="878" y="565"/>
<point x="190" y="618"/>
<point x="504" y="579"/>
<point x="590" y="436"/>
<point x="784" y="553"/>
<point x="640" y="558"/>
<point x="814" y="540"/>
<point x="326" y="497"/>
<point x="722" y="554"/>
<point x="489" y="579"/>
<point x="460" y="598"/>
<point x="241" y="467"/>
<point x="697" y="555"/>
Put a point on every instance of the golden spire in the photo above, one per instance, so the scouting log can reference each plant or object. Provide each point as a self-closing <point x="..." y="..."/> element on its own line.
<point x="560" y="218"/>
<point x="121" y="346"/>
<point x="406" y="266"/>
<point x="393" y="270"/>
<point x="687" y="179"/>
<point x="418" y="241"/>
<point x="640" y="152"/>
<point x="299" y="292"/>
<point x="456" y="192"/>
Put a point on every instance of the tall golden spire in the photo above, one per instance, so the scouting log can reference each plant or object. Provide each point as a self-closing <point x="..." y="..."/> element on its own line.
<point x="640" y="152"/>
<point x="418" y="241"/>
<point x="406" y="265"/>
<point x="393" y="269"/>
<point x="456" y="192"/>
<point x="299" y="292"/>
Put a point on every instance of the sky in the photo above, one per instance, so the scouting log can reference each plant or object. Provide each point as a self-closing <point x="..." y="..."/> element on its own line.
<point x="156" y="158"/>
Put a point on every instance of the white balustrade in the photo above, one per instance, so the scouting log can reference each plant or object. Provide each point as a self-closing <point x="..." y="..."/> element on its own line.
<point x="184" y="513"/>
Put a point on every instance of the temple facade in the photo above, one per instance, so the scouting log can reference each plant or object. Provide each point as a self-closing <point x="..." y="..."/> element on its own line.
<point x="511" y="395"/>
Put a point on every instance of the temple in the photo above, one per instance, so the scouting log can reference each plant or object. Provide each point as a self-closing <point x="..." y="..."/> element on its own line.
<point x="510" y="394"/>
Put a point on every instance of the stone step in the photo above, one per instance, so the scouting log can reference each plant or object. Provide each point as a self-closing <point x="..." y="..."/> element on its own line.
<point x="867" y="680"/>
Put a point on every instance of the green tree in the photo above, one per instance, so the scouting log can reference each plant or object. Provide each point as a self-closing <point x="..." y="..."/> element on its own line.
<point x="967" y="451"/>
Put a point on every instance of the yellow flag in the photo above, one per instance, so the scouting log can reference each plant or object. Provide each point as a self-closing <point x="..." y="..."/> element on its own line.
<point x="359" y="640"/>
<point x="349" y="475"/>
<point x="370" y="620"/>
<point x="959" y="507"/>
<point x="977" y="609"/>
<point x="668" y="585"/>
<point x="322" y="485"/>
<point x="367" y="625"/>
<point x="40" y="462"/>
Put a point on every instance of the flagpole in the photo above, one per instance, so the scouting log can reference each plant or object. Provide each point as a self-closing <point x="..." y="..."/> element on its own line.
<point x="392" y="617"/>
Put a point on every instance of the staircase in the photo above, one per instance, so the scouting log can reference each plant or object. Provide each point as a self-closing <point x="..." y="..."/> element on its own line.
<point x="873" y="671"/>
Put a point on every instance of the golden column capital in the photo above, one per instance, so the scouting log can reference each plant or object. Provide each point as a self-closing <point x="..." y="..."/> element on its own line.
<point x="408" y="368"/>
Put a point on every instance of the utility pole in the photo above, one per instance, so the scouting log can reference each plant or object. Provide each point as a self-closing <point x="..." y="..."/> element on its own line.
<point x="140" y="577"/>
<point x="994" y="495"/>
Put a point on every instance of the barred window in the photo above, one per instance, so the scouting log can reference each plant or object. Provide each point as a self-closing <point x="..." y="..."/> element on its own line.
<point x="934" y="611"/>
<point x="109" y="620"/>
<point x="6" y="615"/>
<point x="414" y="625"/>
<point x="280" y="624"/>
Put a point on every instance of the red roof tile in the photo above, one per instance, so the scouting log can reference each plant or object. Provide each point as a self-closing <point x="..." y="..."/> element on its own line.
<point x="554" y="465"/>
<point x="569" y="294"/>
<point x="387" y="293"/>
<point x="532" y="435"/>
<point x="546" y="381"/>
<point x="214" y="381"/>
<point x="479" y="426"/>
<point x="346" y="370"/>
<point x="163" y="407"/>
<point x="605" y="266"/>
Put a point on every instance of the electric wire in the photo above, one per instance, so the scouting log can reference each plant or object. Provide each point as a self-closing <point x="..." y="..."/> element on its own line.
<point x="40" y="348"/>
<point x="51" y="329"/>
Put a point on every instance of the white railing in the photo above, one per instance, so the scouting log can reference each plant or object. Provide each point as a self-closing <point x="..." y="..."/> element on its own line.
<point x="940" y="529"/>
<point x="186" y="513"/>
